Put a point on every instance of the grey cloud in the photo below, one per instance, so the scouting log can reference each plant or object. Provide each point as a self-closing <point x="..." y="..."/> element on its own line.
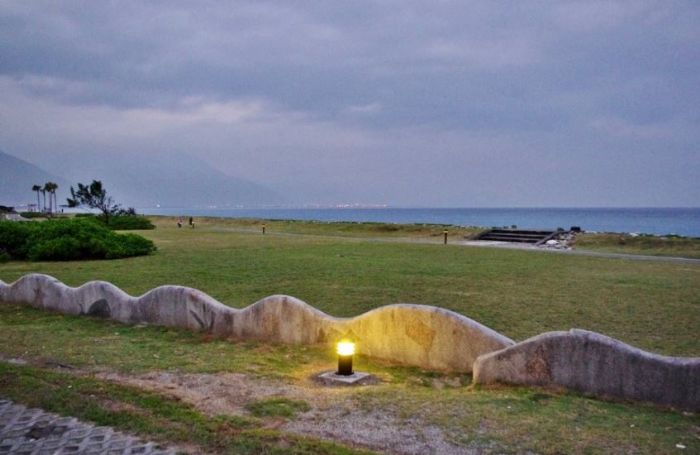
<point x="369" y="100"/>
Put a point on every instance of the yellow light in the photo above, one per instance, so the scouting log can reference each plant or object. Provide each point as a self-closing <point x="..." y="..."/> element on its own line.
<point x="345" y="348"/>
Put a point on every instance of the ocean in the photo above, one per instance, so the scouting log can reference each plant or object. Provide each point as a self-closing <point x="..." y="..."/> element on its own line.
<point x="657" y="221"/>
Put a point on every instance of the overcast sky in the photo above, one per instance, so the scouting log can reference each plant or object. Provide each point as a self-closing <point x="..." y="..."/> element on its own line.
<point x="439" y="103"/>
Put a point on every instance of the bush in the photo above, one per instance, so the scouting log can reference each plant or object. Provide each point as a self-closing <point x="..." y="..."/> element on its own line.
<point x="120" y="222"/>
<point x="129" y="222"/>
<point x="14" y="238"/>
<point x="33" y="215"/>
<point x="68" y="240"/>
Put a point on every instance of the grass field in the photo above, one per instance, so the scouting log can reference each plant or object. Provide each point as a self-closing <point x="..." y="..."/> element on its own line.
<point x="643" y="244"/>
<point x="345" y="270"/>
<point x="653" y="305"/>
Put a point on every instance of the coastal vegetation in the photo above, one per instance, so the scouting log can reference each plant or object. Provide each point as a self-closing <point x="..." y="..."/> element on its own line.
<point x="120" y="222"/>
<point x="68" y="240"/>
<point x="95" y="196"/>
<point x="50" y="188"/>
<point x="91" y="368"/>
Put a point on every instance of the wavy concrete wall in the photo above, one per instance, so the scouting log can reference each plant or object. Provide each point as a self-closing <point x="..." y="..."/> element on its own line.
<point x="592" y="363"/>
<point x="419" y="335"/>
<point x="424" y="336"/>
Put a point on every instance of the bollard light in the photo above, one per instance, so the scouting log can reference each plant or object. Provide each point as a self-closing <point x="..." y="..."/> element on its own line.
<point x="345" y="350"/>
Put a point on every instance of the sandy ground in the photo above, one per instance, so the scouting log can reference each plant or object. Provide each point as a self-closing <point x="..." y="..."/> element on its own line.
<point x="333" y="415"/>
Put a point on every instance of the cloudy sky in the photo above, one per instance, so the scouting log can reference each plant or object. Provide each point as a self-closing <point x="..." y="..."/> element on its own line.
<point x="440" y="103"/>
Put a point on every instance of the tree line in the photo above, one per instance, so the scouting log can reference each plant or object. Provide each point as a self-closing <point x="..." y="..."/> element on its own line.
<point x="50" y="188"/>
<point x="93" y="196"/>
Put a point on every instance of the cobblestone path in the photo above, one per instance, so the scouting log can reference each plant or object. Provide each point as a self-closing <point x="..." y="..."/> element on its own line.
<point x="36" y="432"/>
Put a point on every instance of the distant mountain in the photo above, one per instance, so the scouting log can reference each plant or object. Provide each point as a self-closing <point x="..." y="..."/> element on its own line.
<point x="185" y="182"/>
<point x="17" y="178"/>
<point x="168" y="180"/>
<point x="135" y="180"/>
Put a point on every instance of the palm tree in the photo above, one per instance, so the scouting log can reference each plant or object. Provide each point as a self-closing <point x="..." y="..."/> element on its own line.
<point x="37" y="188"/>
<point x="43" y="195"/>
<point x="50" y="187"/>
<point x="54" y="187"/>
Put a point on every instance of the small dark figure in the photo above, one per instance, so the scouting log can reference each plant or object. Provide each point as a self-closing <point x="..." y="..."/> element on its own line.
<point x="191" y="222"/>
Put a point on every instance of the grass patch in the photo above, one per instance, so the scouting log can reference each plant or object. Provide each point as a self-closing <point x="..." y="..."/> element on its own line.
<point x="277" y="407"/>
<point x="651" y="245"/>
<point x="517" y="420"/>
<point x="150" y="415"/>
<point x="329" y="228"/>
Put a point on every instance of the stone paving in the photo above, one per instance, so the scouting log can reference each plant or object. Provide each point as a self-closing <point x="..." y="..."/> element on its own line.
<point x="26" y="431"/>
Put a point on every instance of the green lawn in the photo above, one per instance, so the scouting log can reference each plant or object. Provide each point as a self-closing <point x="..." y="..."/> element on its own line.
<point x="643" y="244"/>
<point x="653" y="305"/>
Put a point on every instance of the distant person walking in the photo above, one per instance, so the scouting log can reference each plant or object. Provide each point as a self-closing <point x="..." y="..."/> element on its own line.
<point x="179" y="222"/>
<point x="191" y="222"/>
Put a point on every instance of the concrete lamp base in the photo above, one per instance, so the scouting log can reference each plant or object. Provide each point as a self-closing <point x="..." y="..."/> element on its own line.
<point x="357" y="378"/>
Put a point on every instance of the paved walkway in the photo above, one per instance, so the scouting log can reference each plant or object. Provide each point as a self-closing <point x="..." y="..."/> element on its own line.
<point x="36" y="432"/>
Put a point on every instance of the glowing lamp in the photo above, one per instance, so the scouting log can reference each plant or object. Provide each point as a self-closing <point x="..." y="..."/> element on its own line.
<point x="345" y="350"/>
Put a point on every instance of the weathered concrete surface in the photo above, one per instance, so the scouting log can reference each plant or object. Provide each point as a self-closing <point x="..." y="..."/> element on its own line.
<point x="419" y="335"/>
<point x="592" y="363"/>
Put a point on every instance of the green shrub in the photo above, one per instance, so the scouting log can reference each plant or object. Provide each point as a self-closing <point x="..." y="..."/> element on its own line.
<point x="120" y="222"/>
<point x="14" y="238"/>
<point x="33" y="214"/>
<point x="68" y="240"/>
<point x="129" y="222"/>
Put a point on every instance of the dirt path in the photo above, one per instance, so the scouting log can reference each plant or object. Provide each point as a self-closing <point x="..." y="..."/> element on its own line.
<point x="333" y="414"/>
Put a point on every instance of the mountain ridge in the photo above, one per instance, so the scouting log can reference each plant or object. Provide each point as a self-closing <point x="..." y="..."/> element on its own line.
<point x="17" y="177"/>
<point x="133" y="180"/>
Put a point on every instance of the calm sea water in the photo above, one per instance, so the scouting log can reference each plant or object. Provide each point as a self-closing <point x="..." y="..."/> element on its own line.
<point x="659" y="221"/>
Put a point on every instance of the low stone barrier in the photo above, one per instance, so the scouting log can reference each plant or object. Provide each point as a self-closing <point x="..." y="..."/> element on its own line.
<point x="424" y="336"/>
<point x="595" y="364"/>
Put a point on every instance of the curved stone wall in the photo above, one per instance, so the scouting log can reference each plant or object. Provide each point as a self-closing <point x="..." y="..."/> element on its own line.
<point x="424" y="336"/>
<point x="419" y="335"/>
<point x="595" y="364"/>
